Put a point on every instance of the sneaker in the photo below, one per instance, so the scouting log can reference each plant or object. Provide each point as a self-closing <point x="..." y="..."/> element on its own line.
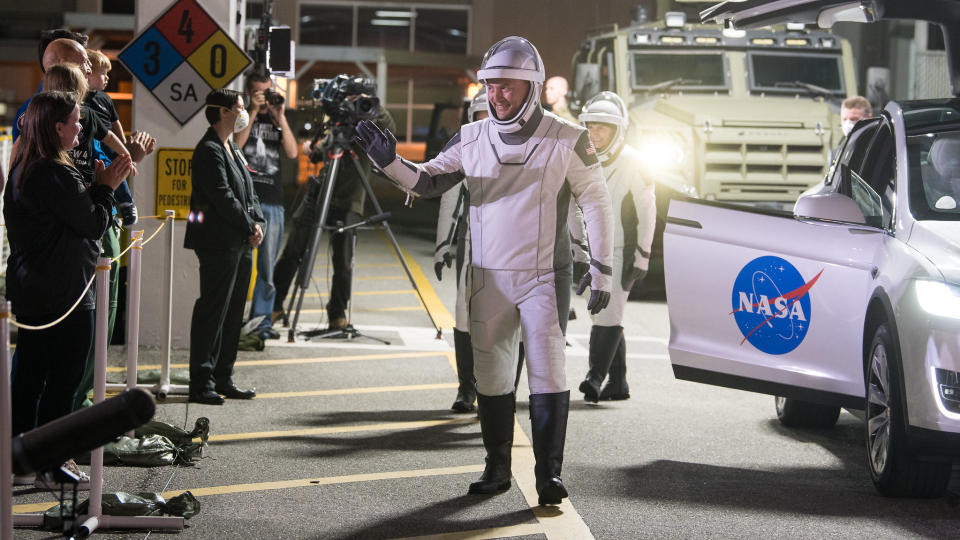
<point x="46" y="481"/>
<point x="339" y="323"/>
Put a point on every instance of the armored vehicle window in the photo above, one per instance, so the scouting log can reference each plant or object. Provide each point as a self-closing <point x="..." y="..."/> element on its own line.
<point x="781" y="72"/>
<point x="699" y="70"/>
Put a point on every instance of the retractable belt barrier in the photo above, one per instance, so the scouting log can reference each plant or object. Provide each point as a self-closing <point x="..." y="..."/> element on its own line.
<point x="94" y="519"/>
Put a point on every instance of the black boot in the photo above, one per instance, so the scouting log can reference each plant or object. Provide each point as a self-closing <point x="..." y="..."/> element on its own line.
<point x="496" y="427"/>
<point x="548" y="420"/>
<point x="603" y="345"/>
<point x="516" y="382"/>
<point x="467" y="392"/>
<point x="616" y="387"/>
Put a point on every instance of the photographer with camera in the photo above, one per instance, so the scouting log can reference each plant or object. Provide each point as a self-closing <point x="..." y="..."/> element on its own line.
<point x="262" y="142"/>
<point x="345" y="100"/>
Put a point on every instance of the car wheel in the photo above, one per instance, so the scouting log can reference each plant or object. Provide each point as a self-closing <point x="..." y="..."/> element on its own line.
<point x="796" y="413"/>
<point x="894" y="470"/>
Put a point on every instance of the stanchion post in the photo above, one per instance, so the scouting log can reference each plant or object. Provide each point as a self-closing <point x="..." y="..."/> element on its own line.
<point x="164" y="387"/>
<point x="133" y="308"/>
<point x="99" y="385"/>
<point x="6" y="454"/>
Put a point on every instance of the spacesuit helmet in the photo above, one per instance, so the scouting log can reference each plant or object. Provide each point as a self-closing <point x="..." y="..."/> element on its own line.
<point x="477" y="104"/>
<point x="514" y="58"/>
<point x="608" y="108"/>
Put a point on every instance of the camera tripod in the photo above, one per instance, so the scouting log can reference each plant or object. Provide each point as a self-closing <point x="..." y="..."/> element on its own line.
<point x="332" y="161"/>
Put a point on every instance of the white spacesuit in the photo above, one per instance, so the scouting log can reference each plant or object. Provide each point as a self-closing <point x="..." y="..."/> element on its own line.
<point x="452" y="228"/>
<point x="520" y="173"/>
<point x="635" y="213"/>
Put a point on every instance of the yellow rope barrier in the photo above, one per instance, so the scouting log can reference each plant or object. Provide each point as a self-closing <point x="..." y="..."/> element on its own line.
<point x="90" y="283"/>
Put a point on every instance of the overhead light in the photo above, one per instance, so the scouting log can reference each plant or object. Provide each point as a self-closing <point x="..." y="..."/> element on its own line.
<point x="388" y="22"/>
<point x="796" y="27"/>
<point x="671" y="39"/>
<point x="706" y="40"/>
<point x="796" y="42"/>
<point x="401" y="14"/>
<point x="675" y="19"/>
<point x="641" y="38"/>
<point x="763" y="41"/>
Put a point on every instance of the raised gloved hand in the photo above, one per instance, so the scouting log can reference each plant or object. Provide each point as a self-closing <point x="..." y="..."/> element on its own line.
<point x="632" y="276"/>
<point x="438" y="266"/>
<point x="380" y="146"/>
<point x="598" y="298"/>
<point x="128" y="212"/>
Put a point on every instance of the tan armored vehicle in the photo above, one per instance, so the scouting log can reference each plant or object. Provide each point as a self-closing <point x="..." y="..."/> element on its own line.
<point x="740" y="116"/>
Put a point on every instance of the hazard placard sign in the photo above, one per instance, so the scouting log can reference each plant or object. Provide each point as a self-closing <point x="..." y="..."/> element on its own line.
<point x="182" y="56"/>
<point x="173" y="181"/>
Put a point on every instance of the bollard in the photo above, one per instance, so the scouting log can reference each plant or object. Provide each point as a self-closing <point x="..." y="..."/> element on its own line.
<point x="6" y="454"/>
<point x="99" y="386"/>
<point x="133" y="308"/>
<point x="163" y="388"/>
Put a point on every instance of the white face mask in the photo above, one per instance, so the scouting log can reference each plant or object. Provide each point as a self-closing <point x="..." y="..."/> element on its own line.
<point x="243" y="120"/>
<point x="847" y="126"/>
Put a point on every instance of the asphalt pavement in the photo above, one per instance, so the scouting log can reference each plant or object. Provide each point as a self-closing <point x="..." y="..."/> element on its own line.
<point x="355" y="439"/>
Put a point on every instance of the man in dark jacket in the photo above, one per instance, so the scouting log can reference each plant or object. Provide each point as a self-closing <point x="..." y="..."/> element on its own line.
<point x="223" y="227"/>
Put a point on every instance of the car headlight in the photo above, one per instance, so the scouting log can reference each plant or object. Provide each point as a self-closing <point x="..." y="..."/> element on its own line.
<point x="660" y="155"/>
<point x="939" y="298"/>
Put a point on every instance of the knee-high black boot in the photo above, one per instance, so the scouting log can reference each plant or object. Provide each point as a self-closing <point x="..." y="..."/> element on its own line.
<point x="548" y="420"/>
<point x="467" y="391"/>
<point x="496" y="427"/>
<point x="603" y="346"/>
<point x="616" y="387"/>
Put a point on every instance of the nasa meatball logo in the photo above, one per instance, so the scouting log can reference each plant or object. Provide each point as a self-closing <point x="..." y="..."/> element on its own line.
<point x="771" y="304"/>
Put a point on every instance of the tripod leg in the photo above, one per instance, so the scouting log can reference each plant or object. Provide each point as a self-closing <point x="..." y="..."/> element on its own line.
<point x="393" y="241"/>
<point x="305" y="273"/>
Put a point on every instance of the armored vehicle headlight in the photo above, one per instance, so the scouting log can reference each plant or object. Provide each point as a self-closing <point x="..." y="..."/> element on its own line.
<point x="939" y="298"/>
<point x="675" y="19"/>
<point x="661" y="154"/>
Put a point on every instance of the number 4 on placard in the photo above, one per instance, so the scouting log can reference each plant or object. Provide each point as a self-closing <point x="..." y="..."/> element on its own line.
<point x="186" y="26"/>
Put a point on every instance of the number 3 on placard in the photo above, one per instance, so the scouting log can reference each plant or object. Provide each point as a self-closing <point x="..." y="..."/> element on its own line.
<point x="153" y="48"/>
<point x="186" y="26"/>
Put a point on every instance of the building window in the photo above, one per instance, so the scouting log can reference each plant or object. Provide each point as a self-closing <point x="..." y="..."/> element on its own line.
<point x="441" y="31"/>
<point x="123" y="7"/>
<point x="388" y="28"/>
<point x="326" y="25"/>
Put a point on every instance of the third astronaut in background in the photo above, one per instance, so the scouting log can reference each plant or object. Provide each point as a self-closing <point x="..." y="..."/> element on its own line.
<point x="635" y="213"/>
<point x="522" y="166"/>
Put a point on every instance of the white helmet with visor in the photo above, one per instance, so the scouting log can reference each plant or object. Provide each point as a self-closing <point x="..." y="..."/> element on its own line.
<point x="514" y="58"/>
<point x="607" y="108"/>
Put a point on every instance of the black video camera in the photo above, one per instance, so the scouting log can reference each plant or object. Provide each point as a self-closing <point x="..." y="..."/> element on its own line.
<point x="346" y="99"/>
<point x="273" y="97"/>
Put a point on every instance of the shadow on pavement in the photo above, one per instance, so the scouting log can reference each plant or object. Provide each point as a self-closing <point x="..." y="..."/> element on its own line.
<point x="439" y="518"/>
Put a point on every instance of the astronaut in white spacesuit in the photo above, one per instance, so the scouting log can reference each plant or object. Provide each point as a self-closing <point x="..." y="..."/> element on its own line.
<point x="635" y="213"/>
<point x="452" y="228"/>
<point x="521" y="165"/>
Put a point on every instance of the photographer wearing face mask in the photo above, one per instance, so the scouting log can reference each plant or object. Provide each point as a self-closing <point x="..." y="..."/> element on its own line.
<point x="223" y="227"/>
<point x="264" y="140"/>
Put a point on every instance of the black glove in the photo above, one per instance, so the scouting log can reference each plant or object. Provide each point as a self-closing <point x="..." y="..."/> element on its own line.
<point x="380" y="147"/>
<point x="438" y="266"/>
<point x="579" y="270"/>
<point x="598" y="299"/>
<point x="633" y="276"/>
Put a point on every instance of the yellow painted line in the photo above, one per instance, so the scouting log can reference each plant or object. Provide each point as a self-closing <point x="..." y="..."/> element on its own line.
<point x="287" y="484"/>
<point x="396" y="308"/>
<point x="561" y="521"/>
<point x="364" y="293"/>
<point x="387" y="426"/>
<point x="377" y="278"/>
<point x="364" y="265"/>
<point x="296" y="361"/>
<point x="351" y="391"/>
<point x="431" y="301"/>
<point x="525" y="529"/>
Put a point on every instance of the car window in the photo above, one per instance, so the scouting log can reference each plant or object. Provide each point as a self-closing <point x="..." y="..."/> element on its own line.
<point x="879" y="170"/>
<point x="867" y="199"/>
<point x="934" y="163"/>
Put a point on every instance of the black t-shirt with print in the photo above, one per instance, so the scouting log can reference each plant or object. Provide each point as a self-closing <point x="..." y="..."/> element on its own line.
<point x="99" y="102"/>
<point x="263" y="150"/>
<point x="93" y="128"/>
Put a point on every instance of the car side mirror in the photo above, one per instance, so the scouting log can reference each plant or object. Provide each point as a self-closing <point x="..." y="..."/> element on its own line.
<point x="830" y="206"/>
